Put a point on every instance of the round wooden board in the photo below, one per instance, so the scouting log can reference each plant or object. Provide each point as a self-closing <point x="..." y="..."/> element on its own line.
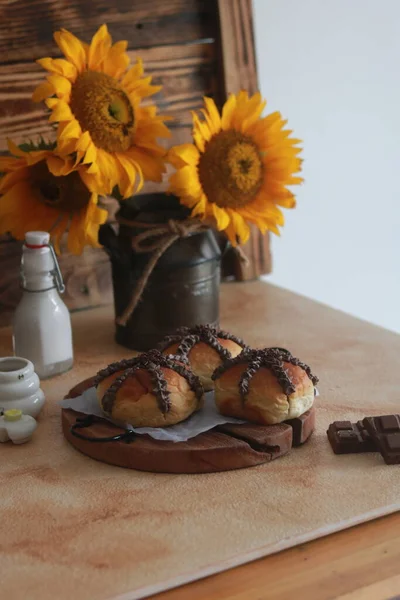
<point x="229" y="447"/>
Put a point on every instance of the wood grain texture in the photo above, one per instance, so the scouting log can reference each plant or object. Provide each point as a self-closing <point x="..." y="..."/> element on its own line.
<point x="209" y="452"/>
<point x="239" y="71"/>
<point x="95" y="532"/>
<point x="361" y="563"/>
<point x="27" y="26"/>
<point x="237" y="46"/>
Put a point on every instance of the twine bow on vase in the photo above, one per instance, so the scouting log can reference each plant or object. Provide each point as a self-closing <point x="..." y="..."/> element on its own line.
<point x="156" y="239"/>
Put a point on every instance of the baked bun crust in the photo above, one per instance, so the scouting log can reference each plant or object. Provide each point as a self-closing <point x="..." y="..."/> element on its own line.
<point x="136" y="400"/>
<point x="204" y="348"/>
<point x="262" y="397"/>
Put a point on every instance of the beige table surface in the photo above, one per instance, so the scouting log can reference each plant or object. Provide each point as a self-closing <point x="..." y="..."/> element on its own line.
<point x="51" y="496"/>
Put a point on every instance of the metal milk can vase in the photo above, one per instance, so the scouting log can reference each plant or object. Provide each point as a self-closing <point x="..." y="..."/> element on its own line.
<point x="183" y="287"/>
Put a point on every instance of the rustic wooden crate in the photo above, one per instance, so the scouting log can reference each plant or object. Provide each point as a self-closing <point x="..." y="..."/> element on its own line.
<point x="191" y="47"/>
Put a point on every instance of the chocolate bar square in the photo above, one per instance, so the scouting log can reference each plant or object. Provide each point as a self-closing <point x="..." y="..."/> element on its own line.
<point x="350" y="438"/>
<point x="385" y="431"/>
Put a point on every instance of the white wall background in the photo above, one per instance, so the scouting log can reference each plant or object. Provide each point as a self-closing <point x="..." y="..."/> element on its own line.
<point x="332" y="67"/>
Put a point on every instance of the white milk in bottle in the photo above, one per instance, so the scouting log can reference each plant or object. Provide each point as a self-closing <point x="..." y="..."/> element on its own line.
<point x="42" y="325"/>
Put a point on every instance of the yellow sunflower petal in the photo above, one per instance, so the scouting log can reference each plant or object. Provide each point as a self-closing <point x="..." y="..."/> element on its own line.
<point x="94" y="183"/>
<point x="272" y="227"/>
<point x="133" y="74"/>
<point x="10" y="179"/>
<point x="200" y="208"/>
<point x="14" y="149"/>
<point x="148" y="130"/>
<point x="95" y="216"/>
<point x="227" y="112"/>
<point x="295" y="180"/>
<point x="43" y="90"/>
<point x="245" y="109"/>
<point x="212" y="115"/>
<point x="59" y="66"/>
<point x="72" y="48"/>
<point x="36" y="156"/>
<point x="98" y="49"/>
<point x="60" y="110"/>
<point x="141" y="89"/>
<point x="85" y="149"/>
<point x="72" y="130"/>
<point x="152" y="166"/>
<point x="129" y="172"/>
<point x="254" y="116"/>
<point x="117" y="61"/>
<point x="201" y="132"/>
<point x="76" y="233"/>
<point x="10" y="163"/>
<point x="221" y="217"/>
<point x="59" y="166"/>
<point x="90" y="155"/>
<point x="186" y="181"/>
<point x="84" y="226"/>
<point x="184" y="154"/>
<point x="61" y="85"/>
<point x="107" y="166"/>
<point x="237" y="231"/>
<point x="289" y="202"/>
<point x="268" y="211"/>
<point x="20" y="211"/>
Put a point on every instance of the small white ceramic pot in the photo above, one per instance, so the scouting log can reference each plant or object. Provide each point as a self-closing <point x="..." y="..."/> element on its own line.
<point x="16" y="427"/>
<point x="20" y="386"/>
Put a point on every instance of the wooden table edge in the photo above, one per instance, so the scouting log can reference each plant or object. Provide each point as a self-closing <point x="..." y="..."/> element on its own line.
<point x="344" y="552"/>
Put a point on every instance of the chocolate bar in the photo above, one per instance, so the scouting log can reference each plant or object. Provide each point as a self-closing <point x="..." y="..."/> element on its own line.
<point x="302" y="426"/>
<point x="350" y="438"/>
<point x="385" y="431"/>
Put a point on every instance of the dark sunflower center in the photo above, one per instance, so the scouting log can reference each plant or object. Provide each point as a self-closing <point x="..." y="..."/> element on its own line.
<point x="66" y="194"/>
<point x="245" y="165"/>
<point x="103" y="108"/>
<point x="231" y="169"/>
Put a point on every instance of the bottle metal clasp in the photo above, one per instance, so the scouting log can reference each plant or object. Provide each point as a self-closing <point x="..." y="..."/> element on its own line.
<point x="58" y="278"/>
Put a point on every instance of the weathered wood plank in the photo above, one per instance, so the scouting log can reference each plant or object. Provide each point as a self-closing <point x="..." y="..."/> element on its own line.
<point x="27" y="26"/>
<point x="239" y="71"/>
<point x="237" y="44"/>
<point x="10" y="293"/>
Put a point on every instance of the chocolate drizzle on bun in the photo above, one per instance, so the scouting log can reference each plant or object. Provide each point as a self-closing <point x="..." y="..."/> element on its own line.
<point x="187" y="338"/>
<point x="266" y="386"/>
<point x="270" y="358"/>
<point x="204" y="348"/>
<point x="153" y="362"/>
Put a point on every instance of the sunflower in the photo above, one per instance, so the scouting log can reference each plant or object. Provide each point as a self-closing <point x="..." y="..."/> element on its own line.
<point x="238" y="168"/>
<point x="39" y="190"/>
<point x="96" y="102"/>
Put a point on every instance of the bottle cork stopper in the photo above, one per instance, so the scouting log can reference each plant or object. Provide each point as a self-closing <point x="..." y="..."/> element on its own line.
<point x="37" y="238"/>
<point x="13" y="414"/>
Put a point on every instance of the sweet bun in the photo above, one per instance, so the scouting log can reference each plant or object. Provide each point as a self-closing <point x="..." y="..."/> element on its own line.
<point x="264" y="386"/>
<point x="150" y="390"/>
<point x="204" y="348"/>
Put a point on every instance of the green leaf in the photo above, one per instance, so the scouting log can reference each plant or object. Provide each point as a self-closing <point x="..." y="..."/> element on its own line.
<point x="42" y="144"/>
